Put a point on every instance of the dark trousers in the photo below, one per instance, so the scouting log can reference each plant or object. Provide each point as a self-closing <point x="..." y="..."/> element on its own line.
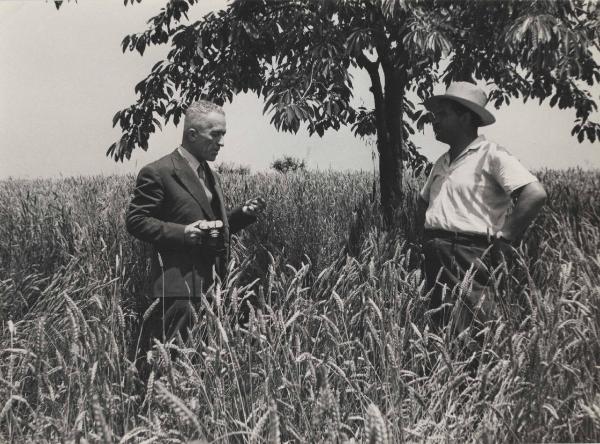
<point x="458" y="271"/>
<point x="168" y="318"/>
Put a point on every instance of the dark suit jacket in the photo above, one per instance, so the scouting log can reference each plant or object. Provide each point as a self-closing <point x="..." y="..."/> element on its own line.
<point x="167" y="197"/>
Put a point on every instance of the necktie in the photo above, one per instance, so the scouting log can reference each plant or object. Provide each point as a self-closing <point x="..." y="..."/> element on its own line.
<point x="204" y="180"/>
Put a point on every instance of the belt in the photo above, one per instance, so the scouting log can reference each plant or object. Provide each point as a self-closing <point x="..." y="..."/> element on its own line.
<point x="458" y="237"/>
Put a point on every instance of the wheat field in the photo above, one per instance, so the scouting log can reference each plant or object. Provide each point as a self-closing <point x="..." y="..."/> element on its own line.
<point x="336" y="347"/>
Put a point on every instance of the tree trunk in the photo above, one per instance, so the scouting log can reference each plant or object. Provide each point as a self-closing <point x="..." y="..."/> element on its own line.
<point x="388" y="121"/>
<point x="390" y="147"/>
<point x="389" y="178"/>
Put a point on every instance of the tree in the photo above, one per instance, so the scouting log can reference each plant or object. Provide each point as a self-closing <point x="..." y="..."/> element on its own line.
<point x="297" y="55"/>
<point x="288" y="163"/>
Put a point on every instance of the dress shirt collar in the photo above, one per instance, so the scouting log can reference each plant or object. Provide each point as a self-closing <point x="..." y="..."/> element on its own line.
<point x="473" y="146"/>
<point x="189" y="157"/>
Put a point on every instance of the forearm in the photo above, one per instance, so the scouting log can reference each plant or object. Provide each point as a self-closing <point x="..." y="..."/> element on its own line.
<point x="238" y="220"/>
<point x="152" y="230"/>
<point x="530" y="201"/>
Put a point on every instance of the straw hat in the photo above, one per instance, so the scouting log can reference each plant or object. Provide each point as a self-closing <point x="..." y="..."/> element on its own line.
<point x="467" y="94"/>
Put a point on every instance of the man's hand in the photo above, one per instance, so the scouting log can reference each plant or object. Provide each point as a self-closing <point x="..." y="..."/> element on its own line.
<point x="529" y="200"/>
<point x="254" y="207"/>
<point x="193" y="234"/>
<point x="196" y="233"/>
<point x="501" y="236"/>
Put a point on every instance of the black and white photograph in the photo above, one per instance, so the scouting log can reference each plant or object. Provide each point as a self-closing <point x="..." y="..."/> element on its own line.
<point x="299" y="221"/>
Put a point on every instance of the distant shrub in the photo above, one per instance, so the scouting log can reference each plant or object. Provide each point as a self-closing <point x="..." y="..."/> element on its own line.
<point x="287" y="164"/>
<point x="232" y="168"/>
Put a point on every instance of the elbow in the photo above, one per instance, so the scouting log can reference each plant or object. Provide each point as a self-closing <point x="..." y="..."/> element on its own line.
<point x="132" y="225"/>
<point x="540" y="195"/>
<point x="534" y="195"/>
<point x="129" y="226"/>
<point x="543" y="198"/>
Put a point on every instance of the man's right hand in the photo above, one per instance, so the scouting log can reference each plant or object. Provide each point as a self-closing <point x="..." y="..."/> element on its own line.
<point x="193" y="235"/>
<point x="197" y="232"/>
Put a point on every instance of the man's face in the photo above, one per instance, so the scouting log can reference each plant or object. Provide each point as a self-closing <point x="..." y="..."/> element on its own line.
<point x="206" y="136"/>
<point x="447" y="124"/>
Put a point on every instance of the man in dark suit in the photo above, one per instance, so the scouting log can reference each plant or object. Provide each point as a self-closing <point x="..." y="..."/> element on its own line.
<point x="178" y="207"/>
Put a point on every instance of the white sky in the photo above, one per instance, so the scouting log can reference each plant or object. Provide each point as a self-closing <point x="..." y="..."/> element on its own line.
<point x="63" y="77"/>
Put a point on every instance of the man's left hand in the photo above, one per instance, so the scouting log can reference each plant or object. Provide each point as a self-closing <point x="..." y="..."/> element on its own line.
<point x="504" y="236"/>
<point x="253" y="207"/>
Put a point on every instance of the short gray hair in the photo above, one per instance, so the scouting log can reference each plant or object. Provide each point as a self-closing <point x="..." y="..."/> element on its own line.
<point x="198" y="109"/>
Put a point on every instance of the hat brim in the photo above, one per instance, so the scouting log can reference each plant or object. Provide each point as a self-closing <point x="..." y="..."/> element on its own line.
<point x="487" y="118"/>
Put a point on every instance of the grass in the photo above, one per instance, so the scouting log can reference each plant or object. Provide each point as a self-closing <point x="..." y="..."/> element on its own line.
<point x="336" y="348"/>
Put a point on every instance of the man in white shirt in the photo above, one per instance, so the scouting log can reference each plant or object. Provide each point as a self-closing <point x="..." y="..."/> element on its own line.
<point x="465" y="201"/>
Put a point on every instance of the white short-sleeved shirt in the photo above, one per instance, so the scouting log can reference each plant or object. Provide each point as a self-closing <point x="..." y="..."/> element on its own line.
<point x="472" y="194"/>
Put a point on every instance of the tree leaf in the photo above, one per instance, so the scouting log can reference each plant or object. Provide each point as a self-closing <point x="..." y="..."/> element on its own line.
<point x="116" y="118"/>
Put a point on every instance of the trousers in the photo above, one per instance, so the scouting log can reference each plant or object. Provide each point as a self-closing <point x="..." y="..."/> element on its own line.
<point x="458" y="272"/>
<point x="168" y="318"/>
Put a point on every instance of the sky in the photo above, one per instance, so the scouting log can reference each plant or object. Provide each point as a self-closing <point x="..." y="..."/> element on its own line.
<point x="64" y="76"/>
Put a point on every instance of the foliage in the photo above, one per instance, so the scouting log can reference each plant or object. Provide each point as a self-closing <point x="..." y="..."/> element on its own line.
<point x="336" y="347"/>
<point x="298" y="56"/>
<point x="231" y="168"/>
<point x="288" y="163"/>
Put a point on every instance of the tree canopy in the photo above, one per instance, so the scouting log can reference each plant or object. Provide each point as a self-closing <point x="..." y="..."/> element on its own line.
<point x="297" y="55"/>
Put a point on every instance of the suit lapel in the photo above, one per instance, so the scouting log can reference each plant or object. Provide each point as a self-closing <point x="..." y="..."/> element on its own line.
<point x="191" y="183"/>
